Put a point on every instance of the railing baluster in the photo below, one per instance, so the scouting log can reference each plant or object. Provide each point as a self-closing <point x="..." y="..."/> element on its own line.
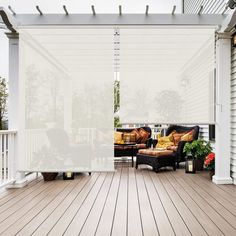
<point x="1" y="166"/>
<point x="5" y="156"/>
<point x="10" y="155"/>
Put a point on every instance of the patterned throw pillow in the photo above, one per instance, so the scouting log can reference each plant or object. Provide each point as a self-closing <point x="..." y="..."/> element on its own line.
<point x="144" y="135"/>
<point x="129" y="137"/>
<point x="177" y="138"/>
<point x="118" y="137"/>
<point x="165" y="141"/>
<point x="171" y="135"/>
<point x="188" y="136"/>
<point x="164" y="144"/>
<point x="137" y="135"/>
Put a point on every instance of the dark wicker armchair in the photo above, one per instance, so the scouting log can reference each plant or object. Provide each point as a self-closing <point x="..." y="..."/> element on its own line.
<point x="180" y="155"/>
<point x="158" y="161"/>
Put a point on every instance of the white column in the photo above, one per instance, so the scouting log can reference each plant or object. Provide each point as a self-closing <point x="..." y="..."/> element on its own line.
<point x="223" y="76"/>
<point x="13" y="105"/>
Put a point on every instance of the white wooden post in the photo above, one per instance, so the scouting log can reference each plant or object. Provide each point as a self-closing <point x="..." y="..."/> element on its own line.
<point x="223" y="74"/>
<point x="13" y="106"/>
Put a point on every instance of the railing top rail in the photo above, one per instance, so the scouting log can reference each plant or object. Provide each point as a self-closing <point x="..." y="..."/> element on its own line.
<point x="8" y="131"/>
<point x="163" y="123"/>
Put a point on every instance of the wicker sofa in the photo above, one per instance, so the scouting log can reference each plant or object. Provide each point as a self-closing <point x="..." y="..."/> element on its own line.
<point x="130" y="151"/>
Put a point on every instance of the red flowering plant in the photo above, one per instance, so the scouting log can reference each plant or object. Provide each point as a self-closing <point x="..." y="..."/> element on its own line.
<point x="210" y="161"/>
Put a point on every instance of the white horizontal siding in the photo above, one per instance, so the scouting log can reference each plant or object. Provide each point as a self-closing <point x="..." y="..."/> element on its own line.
<point x="233" y="114"/>
<point x="217" y="7"/>
<point x="204" y="134"/>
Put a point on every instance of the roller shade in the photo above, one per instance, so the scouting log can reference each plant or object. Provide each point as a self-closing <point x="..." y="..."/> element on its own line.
<point x="167" y="75"/>
<point x="66" y="80"/>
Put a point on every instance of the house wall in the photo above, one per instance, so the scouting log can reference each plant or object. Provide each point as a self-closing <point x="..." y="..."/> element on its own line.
<point x="214" y="7"/>
<point x="233" y="114"/>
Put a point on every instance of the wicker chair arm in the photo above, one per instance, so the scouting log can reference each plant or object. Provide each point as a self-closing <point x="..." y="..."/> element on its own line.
<point x="149" y="142"/>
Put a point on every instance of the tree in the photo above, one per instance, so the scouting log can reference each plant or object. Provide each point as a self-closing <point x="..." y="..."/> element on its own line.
<point x="116" y="103"/>
<point x="168" y="104"/>
<point x="116" y="96"/>
<point x="3" y="101"/>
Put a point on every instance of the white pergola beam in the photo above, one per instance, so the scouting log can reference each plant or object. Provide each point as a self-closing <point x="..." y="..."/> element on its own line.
<point x="229" y="23"/>
<point x="115" y="19"/>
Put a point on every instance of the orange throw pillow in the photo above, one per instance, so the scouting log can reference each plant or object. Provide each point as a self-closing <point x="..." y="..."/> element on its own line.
<point x="177" y="138"/>
<point x="129" y="137"/>
<point x="188" y="136"/>
<point x="144" y="135"/>
<point x="137" y="135"/>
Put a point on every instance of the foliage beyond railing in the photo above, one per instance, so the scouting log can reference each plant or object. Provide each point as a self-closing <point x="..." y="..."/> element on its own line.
<point x="7" y="150"/>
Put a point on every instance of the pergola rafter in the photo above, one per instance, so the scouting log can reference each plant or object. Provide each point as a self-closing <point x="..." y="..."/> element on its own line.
<point x="172" y="19"/>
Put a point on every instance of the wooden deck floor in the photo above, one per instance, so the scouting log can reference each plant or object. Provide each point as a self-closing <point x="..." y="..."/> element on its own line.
<point x="127" y="202"/>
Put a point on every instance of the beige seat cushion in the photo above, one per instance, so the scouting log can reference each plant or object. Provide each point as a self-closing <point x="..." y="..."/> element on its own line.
<point x="154" y="152"/>
<point x="140" y="145"/>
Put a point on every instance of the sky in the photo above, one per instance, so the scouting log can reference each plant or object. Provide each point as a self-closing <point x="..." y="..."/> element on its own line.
<point x="79" y="6"/>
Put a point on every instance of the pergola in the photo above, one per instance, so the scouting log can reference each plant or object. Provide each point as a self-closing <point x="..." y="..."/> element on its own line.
<point x="224" y="23"/>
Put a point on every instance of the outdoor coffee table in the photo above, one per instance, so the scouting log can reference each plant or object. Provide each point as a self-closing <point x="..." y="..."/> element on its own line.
<point x="156" y="158"/>
<point x="132" y="145"/>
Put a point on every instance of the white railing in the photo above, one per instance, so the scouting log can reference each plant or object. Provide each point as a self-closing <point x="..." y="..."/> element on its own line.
<point x="7" y="152"/>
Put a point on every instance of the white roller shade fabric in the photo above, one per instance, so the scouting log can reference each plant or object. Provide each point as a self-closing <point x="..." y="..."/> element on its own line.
<point x="167" y="75"/>
<point x="66" y="79"/>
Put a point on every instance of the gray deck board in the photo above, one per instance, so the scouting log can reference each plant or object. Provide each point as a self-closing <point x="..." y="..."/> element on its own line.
<point x="127" y="202"/>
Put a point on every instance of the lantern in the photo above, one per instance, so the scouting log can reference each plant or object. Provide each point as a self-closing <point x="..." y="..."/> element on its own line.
<point x="68" y="175"/>
<point x="190" y="165"/>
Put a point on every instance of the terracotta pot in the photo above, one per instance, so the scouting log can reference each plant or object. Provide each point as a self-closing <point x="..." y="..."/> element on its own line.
<point x="199" y="164"/>
<point x="49" y="176"/>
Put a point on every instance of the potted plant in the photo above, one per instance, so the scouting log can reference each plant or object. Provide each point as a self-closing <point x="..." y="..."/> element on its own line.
<point x="210" y="163"/>
<point x="199" y="149"/>
<point x="49" y="176"/>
